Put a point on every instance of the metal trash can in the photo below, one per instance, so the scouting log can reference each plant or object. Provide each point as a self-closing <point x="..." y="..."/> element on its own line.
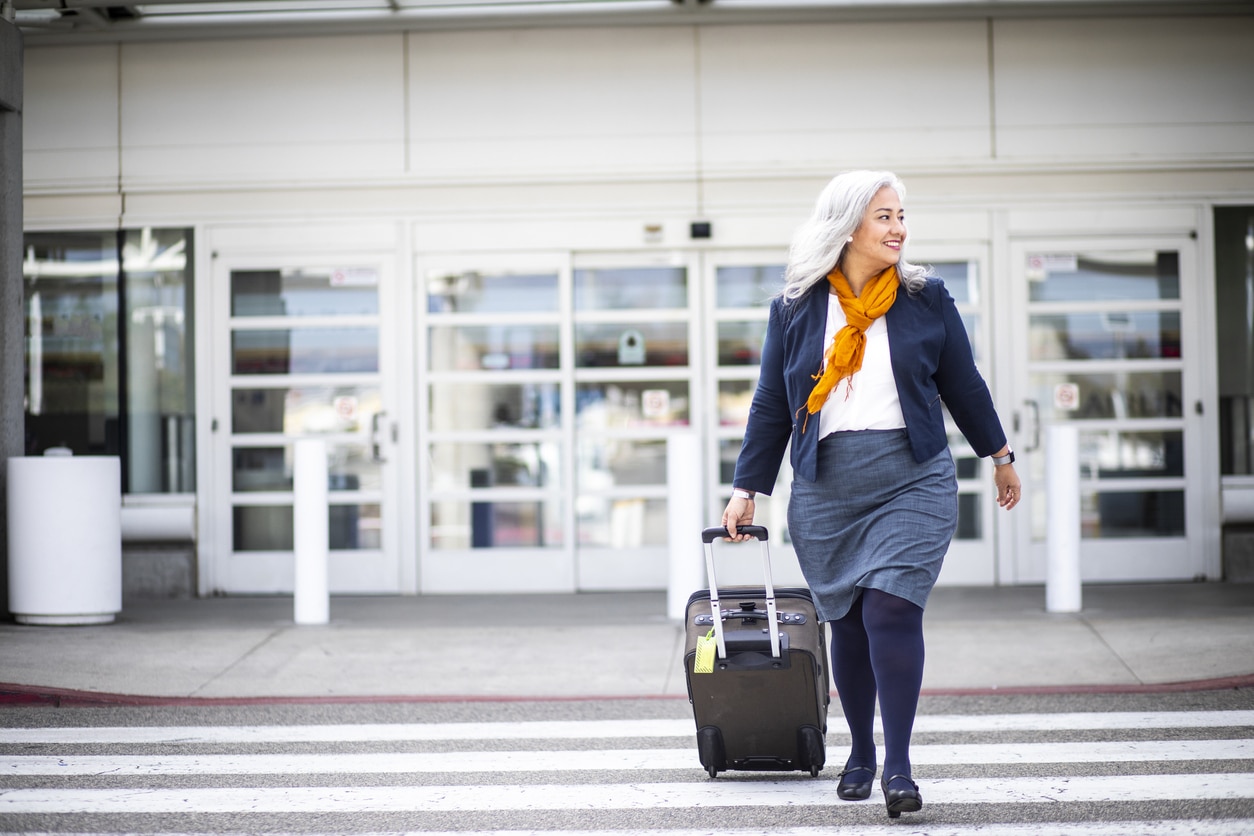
<point x="65" y="539"/>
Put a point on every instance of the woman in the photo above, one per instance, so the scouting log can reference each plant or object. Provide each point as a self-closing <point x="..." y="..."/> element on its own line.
<point x="861" y="349"/>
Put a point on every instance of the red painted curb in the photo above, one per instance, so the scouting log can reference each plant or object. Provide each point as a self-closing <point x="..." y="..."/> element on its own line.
<point x="70" y="697"/>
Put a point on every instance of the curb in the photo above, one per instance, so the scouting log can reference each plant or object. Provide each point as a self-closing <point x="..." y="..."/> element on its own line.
<point x="34" y="695"/>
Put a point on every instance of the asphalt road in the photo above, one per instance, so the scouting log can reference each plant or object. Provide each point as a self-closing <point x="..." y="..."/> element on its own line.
<point x="1069" y="764"/>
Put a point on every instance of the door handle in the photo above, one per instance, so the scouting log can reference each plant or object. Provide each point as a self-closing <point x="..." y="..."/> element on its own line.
<point x="376" y="441"/>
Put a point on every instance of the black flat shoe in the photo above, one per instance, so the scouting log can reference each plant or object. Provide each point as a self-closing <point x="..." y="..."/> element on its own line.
<point x="901" y="801"/>
<point x="855" y="790"/>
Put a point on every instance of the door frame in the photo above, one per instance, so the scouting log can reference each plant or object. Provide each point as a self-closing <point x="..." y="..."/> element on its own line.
<point x="1023" y="560"/>
<point x="393" y="573"/>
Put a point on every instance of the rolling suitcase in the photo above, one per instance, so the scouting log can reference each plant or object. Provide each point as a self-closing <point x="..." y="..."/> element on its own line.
<point x="760" y="700"/>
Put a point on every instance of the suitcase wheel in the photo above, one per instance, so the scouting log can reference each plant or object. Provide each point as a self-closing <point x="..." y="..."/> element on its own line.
<point x="812" y="749"/>
<point x="710" y="749"/>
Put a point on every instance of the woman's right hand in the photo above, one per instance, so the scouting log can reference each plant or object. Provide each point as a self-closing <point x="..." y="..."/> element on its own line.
<point x="739" y="511"/>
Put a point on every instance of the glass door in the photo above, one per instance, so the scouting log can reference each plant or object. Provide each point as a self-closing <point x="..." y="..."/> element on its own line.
<point x="1106" y="341"/>
<point x="306" y="352"/>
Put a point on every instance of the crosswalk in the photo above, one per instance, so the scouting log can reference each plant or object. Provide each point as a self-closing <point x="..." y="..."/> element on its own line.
<point x="1074" y="774"/>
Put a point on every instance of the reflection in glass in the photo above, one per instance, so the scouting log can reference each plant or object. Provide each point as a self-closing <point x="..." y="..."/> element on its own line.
<point x="160" y="367"/>
<point x="632" y="344"/>
<point x="613" y="462"/>
<point x="494" y="347"/>
<point x="960" y="280"/>
<point x="620" y="288"/>
<point x="970" y="519"/>
<point x="305" y="351"/>
<point x="355" y="527"/>
<point x="524" y="464"/>
<point x="735" y="397"/>
<point x="1116" y="514"/>
<point x="748" y="287"/>
<point x="1234" y="337"/>
<point x="473" y="292"/>
<point x="1104" y="395"/>
<point x="458" y="524"/>
<point x="728" y="452"/>
<point x="632" y="404"/>
<point x="1132" y="455"/>
<point x="465" y="405"/>
<point x="265" y="528"/>
<point x="303" y="410"/>
<point x="1111" y="335"/>
<point x="72" y="363"/>
<point x="621" y="523"/>
<point x="740" y="343"/>
<point x="1104" y="277"/>
<point x="262" y="528"/>
<point x="350" y="467"/>
<point x="307" y="292"/>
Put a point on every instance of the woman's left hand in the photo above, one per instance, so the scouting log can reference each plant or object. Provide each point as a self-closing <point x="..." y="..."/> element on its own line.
<point x="1009" y="490"/>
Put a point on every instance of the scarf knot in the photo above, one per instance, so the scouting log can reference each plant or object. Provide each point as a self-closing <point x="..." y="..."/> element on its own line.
<point x="843" y="357"/>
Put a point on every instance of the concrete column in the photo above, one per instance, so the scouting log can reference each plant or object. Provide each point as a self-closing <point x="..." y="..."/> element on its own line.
<point x="12" y="319"/>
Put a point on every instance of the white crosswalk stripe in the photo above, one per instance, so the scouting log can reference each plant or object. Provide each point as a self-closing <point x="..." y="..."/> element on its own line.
<point x="570" y="771"/>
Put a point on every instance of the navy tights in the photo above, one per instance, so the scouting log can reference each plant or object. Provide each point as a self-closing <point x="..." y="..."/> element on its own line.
<point x="878" y="646"/>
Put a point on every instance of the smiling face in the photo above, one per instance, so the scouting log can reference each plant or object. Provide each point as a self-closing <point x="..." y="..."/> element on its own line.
<point x="879" y="240"/>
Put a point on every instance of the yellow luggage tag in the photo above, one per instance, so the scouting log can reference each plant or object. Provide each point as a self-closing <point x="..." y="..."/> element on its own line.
<point x="707" y="646"/>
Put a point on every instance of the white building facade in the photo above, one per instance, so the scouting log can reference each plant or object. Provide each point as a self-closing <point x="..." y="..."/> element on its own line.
<point x="505" y="272"/>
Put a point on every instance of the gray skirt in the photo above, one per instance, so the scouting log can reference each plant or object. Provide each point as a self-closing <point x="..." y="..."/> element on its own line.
<point x="874" y="519"/>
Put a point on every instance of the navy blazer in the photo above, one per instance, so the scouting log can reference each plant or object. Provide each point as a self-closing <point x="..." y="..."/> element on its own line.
<point x="932" y="362"/>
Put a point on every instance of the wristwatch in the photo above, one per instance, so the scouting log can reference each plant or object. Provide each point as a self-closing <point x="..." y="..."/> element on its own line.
<point x="740" y="493"/>
<point x="1009" y="458"/>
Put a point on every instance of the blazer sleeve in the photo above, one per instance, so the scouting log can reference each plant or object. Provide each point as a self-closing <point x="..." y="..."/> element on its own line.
<point x="961" y="386"/>
<point x="770" y="423"/>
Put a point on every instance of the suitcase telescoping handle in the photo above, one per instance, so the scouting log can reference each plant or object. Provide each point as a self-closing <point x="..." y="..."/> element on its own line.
<point x="708" y="536"/>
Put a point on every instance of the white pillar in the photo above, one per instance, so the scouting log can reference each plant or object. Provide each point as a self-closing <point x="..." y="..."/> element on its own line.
<point x="685" y="511"/>
<point x="1062" y="482"/>
<point x="311" y="531"/>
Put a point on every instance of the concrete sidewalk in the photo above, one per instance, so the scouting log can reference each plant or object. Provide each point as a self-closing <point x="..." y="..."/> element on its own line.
<point x="1144" y="637"/>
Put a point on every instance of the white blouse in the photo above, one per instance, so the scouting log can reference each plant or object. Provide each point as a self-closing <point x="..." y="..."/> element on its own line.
<point x="868" y="400"/>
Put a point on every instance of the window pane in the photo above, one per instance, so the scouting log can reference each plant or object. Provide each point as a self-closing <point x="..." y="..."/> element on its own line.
<point x="72" y="363"/>
<point x="1071" y="277"/>
<point x="160" y="383"/>
<point x="308" y="292"/>
<point x="263" y="528"/>
<point x="1131" y="455"/>
<point x="734" y="399"/>
<point x="465" y="405"/>
<point x="494" y="347"/>
<point x="1113" y="335"/>
<point x="1116" y="514"/>
<point x="613" y="462"/>
<point x="748" y="287"/>
<point x="350" y="467"/>
<point x="621" y="523"/>
<point x="631" y="287"/>
<point x="960" y="281"/>
<point x="632" y="344"/>
<point x="304" y="409"/>
<point x="463" y="525"/>
<point x="1111" y="395"/>
<point x="632" y="404"/>
<point x="1234" y="336"/>
<point x="740" y="343"/>
<point x="305" y="351"/>
<point x="492" y="293"/>
<point x="499" y="464"/>
<point x="354" y="527"/>
<point x="970" y="520"/>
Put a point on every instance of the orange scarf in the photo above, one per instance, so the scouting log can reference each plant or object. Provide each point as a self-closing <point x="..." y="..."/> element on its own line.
<point x="844" y="356"/>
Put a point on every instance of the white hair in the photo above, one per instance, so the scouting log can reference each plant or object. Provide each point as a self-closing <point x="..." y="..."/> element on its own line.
<point x="819" y="243"/>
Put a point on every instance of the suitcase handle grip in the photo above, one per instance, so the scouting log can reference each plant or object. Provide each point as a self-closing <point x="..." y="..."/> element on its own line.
<point x="709" y="535"/>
